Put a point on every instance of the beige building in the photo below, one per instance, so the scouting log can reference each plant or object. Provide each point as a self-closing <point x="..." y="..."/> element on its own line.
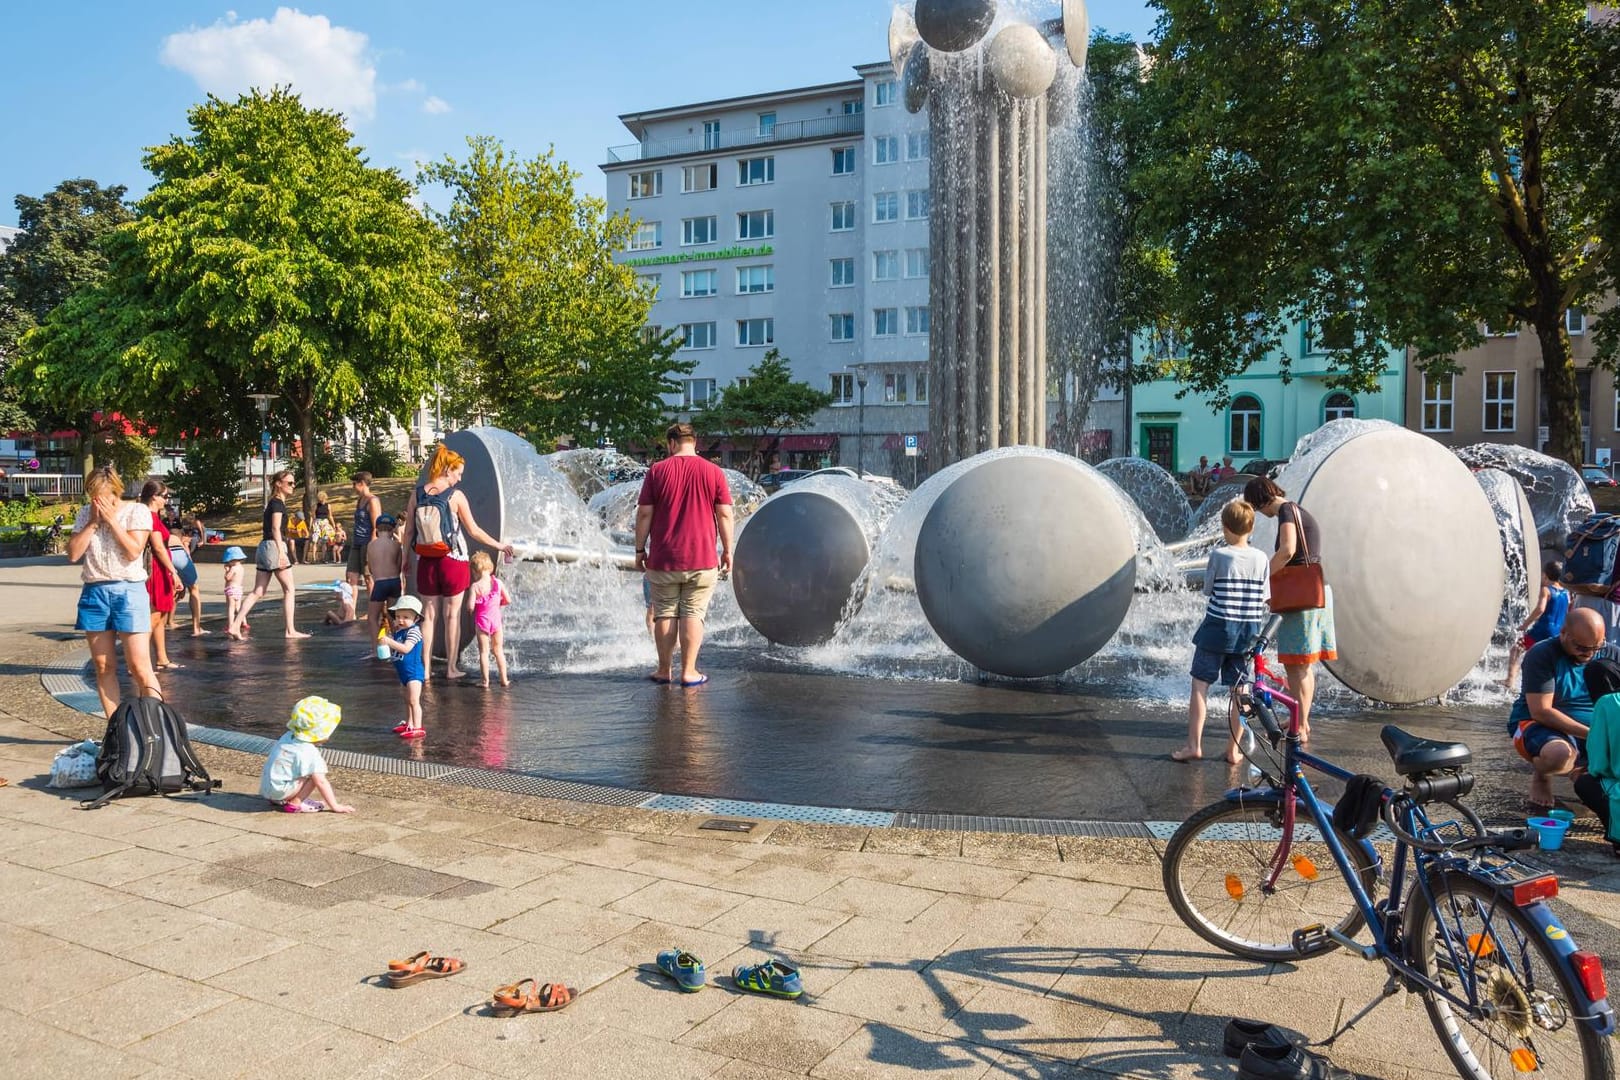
<point x="1496" y="395"/>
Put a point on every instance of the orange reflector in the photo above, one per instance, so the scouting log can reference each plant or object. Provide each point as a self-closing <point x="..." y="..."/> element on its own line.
<point x="1234" y="887"/>
<point x="1480" y="946"/>
<point x="1589" y="969"/>
<point x="1524" y="1059"/>
<point x="1541" y="888"/>
<point x="1304" y="868"/>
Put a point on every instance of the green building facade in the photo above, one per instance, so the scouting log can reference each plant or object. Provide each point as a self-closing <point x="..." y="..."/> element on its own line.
<point x="1265" y="417"/>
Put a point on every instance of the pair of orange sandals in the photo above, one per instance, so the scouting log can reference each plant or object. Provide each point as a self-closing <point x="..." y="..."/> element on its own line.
<point x="527" y="996"/>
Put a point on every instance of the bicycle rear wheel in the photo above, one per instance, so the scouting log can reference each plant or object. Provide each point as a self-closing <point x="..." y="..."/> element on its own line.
<point x="1529" y="1004"/>
<point x="1216" y="863"/>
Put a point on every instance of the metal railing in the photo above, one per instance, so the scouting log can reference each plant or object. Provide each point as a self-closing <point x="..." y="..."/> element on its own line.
<point x="783" y="133"/>
<point x="43" y="485"/>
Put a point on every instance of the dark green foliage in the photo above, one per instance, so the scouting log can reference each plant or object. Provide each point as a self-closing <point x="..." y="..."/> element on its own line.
<point x="756" y="413"/>
<point x="131" y="455"/>
<point x="378" y="458"/>
<point x="210" y="477"/>
<point x="330" y="467"/>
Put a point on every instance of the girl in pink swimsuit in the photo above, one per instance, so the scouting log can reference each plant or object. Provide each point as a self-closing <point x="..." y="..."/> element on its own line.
<point x="487" y="596"/>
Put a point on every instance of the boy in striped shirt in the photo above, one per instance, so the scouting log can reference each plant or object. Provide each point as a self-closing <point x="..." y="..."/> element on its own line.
<point x="1237" y="582"/>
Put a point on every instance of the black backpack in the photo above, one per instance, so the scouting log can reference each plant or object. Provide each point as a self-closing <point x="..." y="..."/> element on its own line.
<point x="146" y="752"/>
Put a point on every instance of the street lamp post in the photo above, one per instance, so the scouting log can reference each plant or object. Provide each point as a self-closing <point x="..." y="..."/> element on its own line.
<point x="262" y="403"/>
<point x="860" y="424"/>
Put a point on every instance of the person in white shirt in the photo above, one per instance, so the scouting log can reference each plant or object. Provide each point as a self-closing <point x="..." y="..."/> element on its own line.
<point x="108" y="538"/>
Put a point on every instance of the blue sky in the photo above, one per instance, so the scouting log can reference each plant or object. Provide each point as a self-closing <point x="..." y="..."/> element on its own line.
<point x="84" y="87"/>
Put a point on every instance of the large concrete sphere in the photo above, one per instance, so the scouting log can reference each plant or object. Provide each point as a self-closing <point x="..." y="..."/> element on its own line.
<point x="1076" y="31"/>
<point x="1025" y="564"/>
<point x="914" y="81"/>
<point x="954" y="25"/>
<point x="1022" y="61"/>
<point x="1412" y="552"/>
<point x="795" y="566"/>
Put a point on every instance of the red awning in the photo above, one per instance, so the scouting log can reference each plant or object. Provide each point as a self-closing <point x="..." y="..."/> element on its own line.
<point x="801" y="443"/>
<point x="898" y="442"/>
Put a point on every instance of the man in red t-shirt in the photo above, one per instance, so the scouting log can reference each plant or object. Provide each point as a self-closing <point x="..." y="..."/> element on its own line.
<point x="685" y="506"/>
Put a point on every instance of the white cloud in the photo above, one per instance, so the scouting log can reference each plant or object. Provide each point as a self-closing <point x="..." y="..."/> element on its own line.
<point x="328" y="66"/>
<point x="435" y="106"/>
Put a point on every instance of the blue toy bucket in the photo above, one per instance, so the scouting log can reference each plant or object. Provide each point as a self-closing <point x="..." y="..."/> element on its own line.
<point x="1550" y="831"/>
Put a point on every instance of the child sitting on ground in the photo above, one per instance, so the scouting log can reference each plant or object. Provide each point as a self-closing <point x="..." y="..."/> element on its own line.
<point x="1238" y="584"/>
<point x="1545" y="620"/>
<point x="385" y="561"/>
<point x="295" y="769"/>
<point x="406" y="645"/>
<point x="345" y="605"/>
<point x="486" y="597"/>
<point x="234" y="558"/>
<point x="1599" y="786"/>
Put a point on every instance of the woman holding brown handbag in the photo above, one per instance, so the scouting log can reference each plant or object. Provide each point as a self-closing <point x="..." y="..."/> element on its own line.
<point x="1298" y="592"/>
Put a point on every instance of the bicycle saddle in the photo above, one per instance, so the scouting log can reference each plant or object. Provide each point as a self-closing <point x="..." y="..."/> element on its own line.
<point x="1413" y="755"/>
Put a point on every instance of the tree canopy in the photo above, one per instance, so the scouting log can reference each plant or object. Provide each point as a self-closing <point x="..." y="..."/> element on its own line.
<point x="1407" y="172"/>
<point x="268" y="257"/>
<point x="554" y="330"/>
<point x="759" y="408"/>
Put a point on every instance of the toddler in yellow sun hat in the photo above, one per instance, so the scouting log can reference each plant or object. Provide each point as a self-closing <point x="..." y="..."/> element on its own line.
<point x="295" y="769"/>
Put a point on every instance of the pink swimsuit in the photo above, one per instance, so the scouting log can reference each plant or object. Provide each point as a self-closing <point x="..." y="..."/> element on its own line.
<point x="487" y="608"/>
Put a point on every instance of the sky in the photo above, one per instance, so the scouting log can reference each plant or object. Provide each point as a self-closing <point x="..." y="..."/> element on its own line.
<point x="85" y="87"/>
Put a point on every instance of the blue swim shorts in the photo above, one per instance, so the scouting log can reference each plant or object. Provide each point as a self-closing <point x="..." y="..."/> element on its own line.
<point x="184" y="566"/>
<point x="1532" y="738"/>
<point x="114" y="605"/>
<point x="1217" y="669"/>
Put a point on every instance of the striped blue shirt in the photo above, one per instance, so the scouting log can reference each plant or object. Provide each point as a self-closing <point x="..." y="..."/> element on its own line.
<point x="1238" y="584"/>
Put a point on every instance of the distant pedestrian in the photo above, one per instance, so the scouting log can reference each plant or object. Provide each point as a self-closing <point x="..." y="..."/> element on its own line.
<point x="684" y="507"/>
<point x="272" y="560"/>
<point x="108" y="538"/>
<point x="408" y="645"/>
<point x="486" y="597"/>
<point x="321" y="531"/>
<point x="1305" y="636"/>
<point x="367" y="509"/>
<point x="162" y="580"/>
<point x="1545" y="620"/>
<point x="181" y="545"/>
<point x="386" y="559"/>
<point x="232" y="584"/>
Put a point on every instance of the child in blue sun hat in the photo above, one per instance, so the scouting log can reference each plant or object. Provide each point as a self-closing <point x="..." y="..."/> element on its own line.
<point x="295" y="769"/>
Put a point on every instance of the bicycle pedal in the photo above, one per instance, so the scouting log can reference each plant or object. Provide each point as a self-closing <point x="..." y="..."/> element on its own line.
<point x="1310" y="939"/>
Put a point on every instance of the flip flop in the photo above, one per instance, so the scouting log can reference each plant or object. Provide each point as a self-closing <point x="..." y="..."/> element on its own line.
<point x="308" y="807"/>
<point x="401" y="728"/>
<point x="699" y="681"/>
<point x="547" y="997"/>
<point x="413" y="733"/>
<point x="433" y="967"/>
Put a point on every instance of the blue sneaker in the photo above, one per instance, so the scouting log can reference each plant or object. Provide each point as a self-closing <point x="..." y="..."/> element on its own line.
<point x="772" y="977"/>
<point x="687" y="970"/>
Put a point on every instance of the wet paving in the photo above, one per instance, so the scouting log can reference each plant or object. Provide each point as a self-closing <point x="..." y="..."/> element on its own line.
<point x="767" y="730"/>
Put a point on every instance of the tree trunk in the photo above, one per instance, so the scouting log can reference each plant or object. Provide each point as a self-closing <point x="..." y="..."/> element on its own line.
<point x="306" y="431"/>
<point x="1563" y="391"/>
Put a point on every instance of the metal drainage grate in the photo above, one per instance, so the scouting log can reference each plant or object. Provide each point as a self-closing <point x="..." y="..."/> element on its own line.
<point x="1028" y="826"/>
<point x="230" y="740"/>
<point x="1304" y="831"/>
<point x="530" y="784"/>
<point x="820" y="815"/>
<point x="727" y="825"/>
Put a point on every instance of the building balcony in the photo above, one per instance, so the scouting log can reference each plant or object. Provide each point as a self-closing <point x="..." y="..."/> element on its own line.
<point x="784" y="133"/>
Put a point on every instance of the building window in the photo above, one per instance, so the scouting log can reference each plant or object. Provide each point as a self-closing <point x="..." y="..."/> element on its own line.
<point x="916" y="320"/>
<point x="648" y="235"/>
<point x="916" y="262"/>
<point x="651" y="281"/>
<point x="756" y="224"/>
<point x="1501" y="396"/>
<point x="1575" y="320"/>
<point x="697" y="335"/>
<point x="894" y="388"/>
<point x="918" y="146"/>
<point x="852" y="106"/>
<point x="759" y="170"/>
<point x="843" y="388"/>
<point x="843" y="273"/>
<point x="755" y="279"/>
<point x="700" y="177"/>
<point x="843" y="327"/>
<point x="699" y="283"/>
<point x="921" y="388"/>
<point x="650" y="333"/>
<point x="843" y="160"/>
<point x="884" y="92"/>
<point x="916" y="205"/>
<point x="698" y="392"/>
<point x="843" y="217"/>
<point x="1504" y="325"/>
<point x="886" y="206"/>
<point x="711" y="134"/>
<point x="767" y="124"/>
<point x="1338" y="406"/>
<point x="699" y="230"/>
<point x="752" y="332"/>
<point x="1437" y="401"/>
<point x="885" y="322"/>
<point x="644" y="185"/>
<point x="1243" y="428"/>
<point x="885" y="149"/>
<point x="885" y="265"/>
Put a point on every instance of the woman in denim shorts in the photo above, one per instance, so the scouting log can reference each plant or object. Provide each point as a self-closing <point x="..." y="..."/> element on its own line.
<point x="109" y="536"/>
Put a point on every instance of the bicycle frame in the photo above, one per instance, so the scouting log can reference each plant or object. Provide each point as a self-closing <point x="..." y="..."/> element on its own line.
<point x="1385" y="920"/>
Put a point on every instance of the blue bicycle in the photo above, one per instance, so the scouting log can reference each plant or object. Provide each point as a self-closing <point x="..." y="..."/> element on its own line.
<point x="1270" y="873"/>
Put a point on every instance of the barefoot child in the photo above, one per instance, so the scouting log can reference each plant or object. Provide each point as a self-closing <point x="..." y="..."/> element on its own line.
<point x="1545" y="620"/>
<point x="406" y="645"/>
<point x="1238" y="584"/>
<point x="486" y="597"/>
<point x="295" y="769"/>
<point x="385" y="559"/>
<point x="234" y="558"/>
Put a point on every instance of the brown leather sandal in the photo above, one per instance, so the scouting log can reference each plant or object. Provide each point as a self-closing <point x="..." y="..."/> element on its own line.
<point x="547" y="997"/>
<point x="414" y="962"/>
<point x="434" y="967"/>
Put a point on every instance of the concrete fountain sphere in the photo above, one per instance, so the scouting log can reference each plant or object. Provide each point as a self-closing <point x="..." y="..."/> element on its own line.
<point x="1021" y="61"/>
<point x="954" y="25"/>
<point x="1413" y="555"/>
<point x="795" y="565"/>
<point x="914" y="79"/>
<point x="1025" y="565"/>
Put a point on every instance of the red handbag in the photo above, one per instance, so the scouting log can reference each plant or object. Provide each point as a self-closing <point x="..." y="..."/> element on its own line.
<point x="1299" y="586"/>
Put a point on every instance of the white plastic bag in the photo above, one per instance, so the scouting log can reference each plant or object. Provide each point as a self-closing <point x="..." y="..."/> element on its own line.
<point x="75" y="767"/>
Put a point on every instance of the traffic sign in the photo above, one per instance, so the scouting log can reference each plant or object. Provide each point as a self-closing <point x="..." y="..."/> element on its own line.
<point x="911" y="446"/>
<point x="264" y="443"/>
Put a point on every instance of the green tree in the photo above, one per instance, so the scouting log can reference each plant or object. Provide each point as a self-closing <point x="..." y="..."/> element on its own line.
<point x="60" y="250"/>
<point x="1408" y="171"/>
<point x="268" y="257"/>
<point x="554" y="330"/>
<point x="755" y="413"/>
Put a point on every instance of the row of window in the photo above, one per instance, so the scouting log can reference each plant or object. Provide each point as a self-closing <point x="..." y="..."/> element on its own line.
<point x="761" y="224"/>
<point x="899" y="388"/>
<point x="751" y="333"/>
<point x="1501" y="401"/>
<point x="1245" y="420"/>
<point x="886" y="322"/>
<point x="886" y="266"/>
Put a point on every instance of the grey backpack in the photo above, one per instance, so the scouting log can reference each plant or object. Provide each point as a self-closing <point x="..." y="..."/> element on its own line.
<point x="146" y="752"/>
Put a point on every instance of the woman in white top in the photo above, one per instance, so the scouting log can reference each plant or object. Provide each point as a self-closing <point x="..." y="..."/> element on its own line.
<point x="109" y="536"/>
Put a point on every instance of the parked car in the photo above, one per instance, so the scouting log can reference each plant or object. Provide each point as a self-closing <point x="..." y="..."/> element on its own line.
<point x="773" y="482"/>
<point x="1597" y="476"/>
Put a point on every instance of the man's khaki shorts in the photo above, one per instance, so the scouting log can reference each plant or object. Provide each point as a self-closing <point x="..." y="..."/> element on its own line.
<point x="681" y="593"/>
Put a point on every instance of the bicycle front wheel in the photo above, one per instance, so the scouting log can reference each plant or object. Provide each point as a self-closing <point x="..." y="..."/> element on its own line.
<point x="1215" y="868"/>
<point x="1526" y="1022"/>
